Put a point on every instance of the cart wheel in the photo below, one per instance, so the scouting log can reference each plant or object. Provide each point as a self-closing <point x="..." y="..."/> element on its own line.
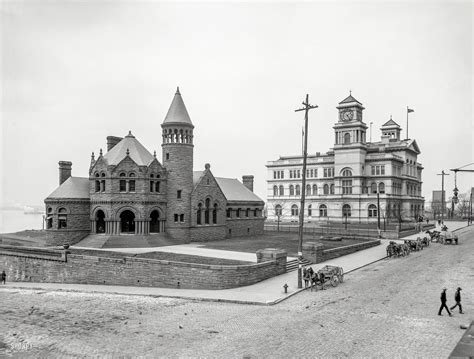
<point x="334" y="281"/>
<point x="341" y="278"/>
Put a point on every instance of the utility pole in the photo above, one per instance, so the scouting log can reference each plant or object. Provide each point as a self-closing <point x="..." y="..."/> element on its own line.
<point x="442" y="174"/>
<point x="306" y="109"/>
<point x="408" y="111"/>
<point x="378" y="211"/>
<point x="371" y="132"/>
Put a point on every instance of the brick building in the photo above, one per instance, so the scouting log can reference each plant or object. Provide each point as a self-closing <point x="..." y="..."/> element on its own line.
<point x="129" y="191"/>
<point x="354" y="180"/>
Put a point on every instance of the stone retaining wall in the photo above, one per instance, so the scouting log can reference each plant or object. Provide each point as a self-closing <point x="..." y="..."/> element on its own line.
<point x="58" y="266"/>
<point x="315" y="253"/>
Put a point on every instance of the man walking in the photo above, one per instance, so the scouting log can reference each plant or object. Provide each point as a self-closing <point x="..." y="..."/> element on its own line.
<point x="4" y="277"/>
<point x="443" y="303"/>
<point x="457" y="298"/>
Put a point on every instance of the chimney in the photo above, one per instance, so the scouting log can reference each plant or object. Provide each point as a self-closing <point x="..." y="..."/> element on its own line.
<point x="385" y="139"/>
<point x="65" y="168"/>
<point x="112" y="141"/>
<point x="248" y="182"/>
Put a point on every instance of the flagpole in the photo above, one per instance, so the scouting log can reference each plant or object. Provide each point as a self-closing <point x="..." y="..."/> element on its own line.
<point x="407" y="123"/>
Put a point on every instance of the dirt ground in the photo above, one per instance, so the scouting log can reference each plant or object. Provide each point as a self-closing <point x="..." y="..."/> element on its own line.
<point x="385" y="310"/>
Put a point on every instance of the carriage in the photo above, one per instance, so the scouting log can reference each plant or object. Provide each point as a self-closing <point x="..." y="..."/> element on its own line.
<point x="328" y="274"/>
<point x="446" y="237"/>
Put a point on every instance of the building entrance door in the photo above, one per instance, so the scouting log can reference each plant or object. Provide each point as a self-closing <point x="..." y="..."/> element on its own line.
<point x="127" y="222"/>
<point x="155" y="222"/>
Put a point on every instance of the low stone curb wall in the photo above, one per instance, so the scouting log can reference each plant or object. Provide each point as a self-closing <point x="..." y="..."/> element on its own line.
<point x="315" y="252"/>
<point x="55" y="266"/>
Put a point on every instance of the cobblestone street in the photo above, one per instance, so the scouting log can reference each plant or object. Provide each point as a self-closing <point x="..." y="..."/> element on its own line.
<point x="387" y="309"/>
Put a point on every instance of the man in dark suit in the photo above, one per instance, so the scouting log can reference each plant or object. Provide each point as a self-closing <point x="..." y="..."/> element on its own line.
<point x="457" y="298"/>
<point x="443" y="303"/>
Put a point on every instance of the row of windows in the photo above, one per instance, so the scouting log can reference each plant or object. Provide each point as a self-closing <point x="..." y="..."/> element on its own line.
<point x="328" y="172"/>
<point x="295" y="174"/>
<point x="310" y="173"/>
<point x="346" y="189"/>
<point x="296" y="191"/>
<point x="207" y="212"/>
<point x="131" y="174"/>
<point x="239" y="212"/>
<point x="278" y="174"/>
<point x="100" y="186"/>
<point x="323" y="210"/>
<point x="178" y="218"/>
<point x="378" y="170"/>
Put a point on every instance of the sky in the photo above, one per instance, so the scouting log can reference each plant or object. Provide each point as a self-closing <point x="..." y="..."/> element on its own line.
<point x="73" y="73"/>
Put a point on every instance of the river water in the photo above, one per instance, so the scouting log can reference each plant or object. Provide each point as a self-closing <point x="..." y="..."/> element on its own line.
<point x="16" y="220"/>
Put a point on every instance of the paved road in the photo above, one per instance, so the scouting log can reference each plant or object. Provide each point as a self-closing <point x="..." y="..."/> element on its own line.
<point x="386" y="310"/>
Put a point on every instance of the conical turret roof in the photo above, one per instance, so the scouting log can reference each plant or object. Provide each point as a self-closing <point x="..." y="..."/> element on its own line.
<point x="177" y="114"/>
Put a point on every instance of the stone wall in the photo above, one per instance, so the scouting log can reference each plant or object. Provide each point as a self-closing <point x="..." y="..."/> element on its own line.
<point x="208" y="233"/>
<point x="315" y="253"/>
<point x="239" y="227"/>
<point x="29" y="265"/>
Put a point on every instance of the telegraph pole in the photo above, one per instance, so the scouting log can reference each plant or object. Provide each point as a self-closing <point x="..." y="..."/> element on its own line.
<point x="306" y="109"/>
<point x="442" y="174"/>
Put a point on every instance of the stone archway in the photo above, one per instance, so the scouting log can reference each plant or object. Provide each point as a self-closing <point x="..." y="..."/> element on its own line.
<point x="127" y="222"/>
<point x="155" y="221"/>
<point x="100" y="221"/>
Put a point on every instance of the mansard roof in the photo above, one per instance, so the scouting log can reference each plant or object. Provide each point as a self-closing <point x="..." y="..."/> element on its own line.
<point x="133" y="148"/>
<point x="232" y="188"/>
<point x="177" y="113"/>
<point x="73" y="187"/>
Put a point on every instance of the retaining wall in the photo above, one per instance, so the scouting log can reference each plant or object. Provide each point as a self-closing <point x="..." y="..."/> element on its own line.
<point x="315" y="253"/>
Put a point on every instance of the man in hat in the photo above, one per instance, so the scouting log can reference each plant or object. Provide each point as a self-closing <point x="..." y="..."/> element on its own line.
<point x="457" y="298"/>
<point x="443" y="303"/>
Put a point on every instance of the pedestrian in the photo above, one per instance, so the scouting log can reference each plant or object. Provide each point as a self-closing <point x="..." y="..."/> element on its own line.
<point x="427" y="220"/>
<point x="439" y="222"/>
<point x="305" y="277"/>
<point x="443" y="303"/>
<point x="4" y="277"/>
<point x="457" y="298"/>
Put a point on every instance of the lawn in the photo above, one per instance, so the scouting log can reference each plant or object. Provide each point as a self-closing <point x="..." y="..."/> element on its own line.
<point x="283" y="240"/>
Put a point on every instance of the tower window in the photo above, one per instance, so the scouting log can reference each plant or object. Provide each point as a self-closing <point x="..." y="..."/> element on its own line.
<point x="131" y="186"/>
<point x="176" y="217"/>
<point x="167" y="156"/>
<point x="181" y="217"/>
<point x="178" y="194"/>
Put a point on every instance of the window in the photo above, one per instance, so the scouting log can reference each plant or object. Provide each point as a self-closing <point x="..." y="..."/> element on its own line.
<point x="346" y="186"/>
<point x="282" y="191"/>
<point x="315" y="190"/>
<point x="275" y="190"/>
<point x="176" y="217"/>
<point x="347" y="138"/>
<point x="123" y="186"/>
<point x="131" y="186"/>
<point x="102" y="185"/>
<point x="152" y="186"/>
<point x="308" y="190"/>
<point x="294" y="210"/>
<point x="292" y="190"/>
<point x="326" y="188"/>
<point x="238" y="212"/>
<point x="346" y="210"/>
<point x="297" y="190"/>
<point x="181" y="217"/>
<point x="152" y="175"/>
<point x="381" y="187"/>
<point x="299" y="174"/>
<point x="167" y="156"/>
<point x="229" y="212"/>
<point x="62" y="218"/>
<point x="157" y="186"/>
<point x="49" y="219"/>
<point x="178" y="194"/>
<point x="274" y="175"/>
<point x="373" y="187"/>
<point x="255" y="212"/>
<point x="131" y="175"/>
<point x="331" y="189"/>
<point x="310" y="211"/>
<point x="247" y="212"/>
<point x="346" y="173"/>
<point x="328" y="172"/>
<point x="97" y="186"/>
<point x="372" y="210"/>
<point x="278" y="210"/>
<point x="323" y="210"/>
<point x="214" y="214"/>
<point x="199" y="214"/>
<point x="207" y="211"/>
<point x="121" y="174"/>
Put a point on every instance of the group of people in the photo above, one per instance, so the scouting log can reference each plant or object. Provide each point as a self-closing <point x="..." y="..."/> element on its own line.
<point x="311" y="277"/>
<point x="457" y="299"/>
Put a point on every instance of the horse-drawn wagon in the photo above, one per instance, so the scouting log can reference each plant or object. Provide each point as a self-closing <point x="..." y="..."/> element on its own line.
<point x="328" y="274"/>
<point x="446" y="237"/>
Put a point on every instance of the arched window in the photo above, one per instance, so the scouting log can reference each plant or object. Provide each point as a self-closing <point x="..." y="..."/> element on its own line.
<point x="372" y="210"/>
<point x="297" y="190"/>
<point x="347" y="183"/>
<point x="207" y="211"/>
<point x="292" y="190"/>
<point x="152" y="175"/>
<point x="346" y="173"/>
<point x="62" y="218"/>
<point x="315" y="190"/>
<point x="229" y="212"/>
<point x="238" y="213"/>
<point x="347" y="138"/>
<point x="308" y="190"/>
<point x="97" y="174"/>
<point x="381" y="187"/>
<point x="373" y="187"/>
<point x="331" y="189"/>
<point x="157" y="186"/>
<point x="346" y="210"/>
<point x="275" y="190"/>
<point x="97" y="186"/>
<point x="282" y="190"/>
<point x="310" y="211"/>
<point x="102" y="174"/>
<point x="326" y="188"/>
<point x="294" y="210"/>
<point x="121" y="174"/>
<point x="214" y="214"/>
<point x="199" y="214"/>
<point x="131" y="186"/>
<point x="49" y="219"/>
<point x="123" y="183"/>
<point x="323" y="210"/>
<point x="131" y="174"/>
<point x="278" y="210"/>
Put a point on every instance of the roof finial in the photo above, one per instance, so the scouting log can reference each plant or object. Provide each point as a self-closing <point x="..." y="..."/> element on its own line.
<point x="154" y="153"/>
<point x="92" y="156"/>
<point x="350" y="92"/>
<point x="100" y="152"/>
<point x="128" y="152"/>
<point x="390" y="116"/>
<point x="177" y="91"/>
<point x="207" y="166"/>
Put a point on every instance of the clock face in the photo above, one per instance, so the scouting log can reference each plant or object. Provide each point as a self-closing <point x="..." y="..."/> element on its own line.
<point x="347" y="116"/>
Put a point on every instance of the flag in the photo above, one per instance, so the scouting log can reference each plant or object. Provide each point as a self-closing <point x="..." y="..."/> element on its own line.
<point x="410" y="110"/>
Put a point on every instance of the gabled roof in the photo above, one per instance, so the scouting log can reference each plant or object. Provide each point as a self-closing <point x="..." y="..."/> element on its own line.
<point x="177" y="113"/>
<point x="137" y="152"/>
<point x="349" y="99"/>
<point x="412" y="145"/>
<point x="232" y="188"/>
<point x="73" y="187"/>
<point x="390" y="123"/>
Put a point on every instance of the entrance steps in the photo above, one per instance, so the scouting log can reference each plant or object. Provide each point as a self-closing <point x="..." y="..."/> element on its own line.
<point x="93" y="241"/>
<point x="293" y="264"/>
<point x="127" y="241"/>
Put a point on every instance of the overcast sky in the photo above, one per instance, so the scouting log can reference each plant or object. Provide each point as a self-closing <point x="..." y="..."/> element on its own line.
<point x="75" y="72"/>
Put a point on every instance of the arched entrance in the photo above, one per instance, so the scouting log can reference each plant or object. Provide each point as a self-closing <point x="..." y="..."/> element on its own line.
<point x="127" y="222"/>
<point x="155" y="222"/>
<point x="100" y="222"/>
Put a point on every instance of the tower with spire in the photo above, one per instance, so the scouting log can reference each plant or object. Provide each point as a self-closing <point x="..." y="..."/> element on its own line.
<point x="178" y="150"/>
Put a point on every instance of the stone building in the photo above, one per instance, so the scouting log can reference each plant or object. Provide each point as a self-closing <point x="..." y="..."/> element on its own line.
<point x="129" y="191"/>
<point x="353" y="180"/>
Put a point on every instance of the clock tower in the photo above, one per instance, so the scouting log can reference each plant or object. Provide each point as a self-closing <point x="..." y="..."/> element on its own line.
<point x="350" y="129"/>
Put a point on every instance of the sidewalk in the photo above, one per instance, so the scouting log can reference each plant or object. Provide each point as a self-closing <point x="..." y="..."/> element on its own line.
<point x="267" y="292"/>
